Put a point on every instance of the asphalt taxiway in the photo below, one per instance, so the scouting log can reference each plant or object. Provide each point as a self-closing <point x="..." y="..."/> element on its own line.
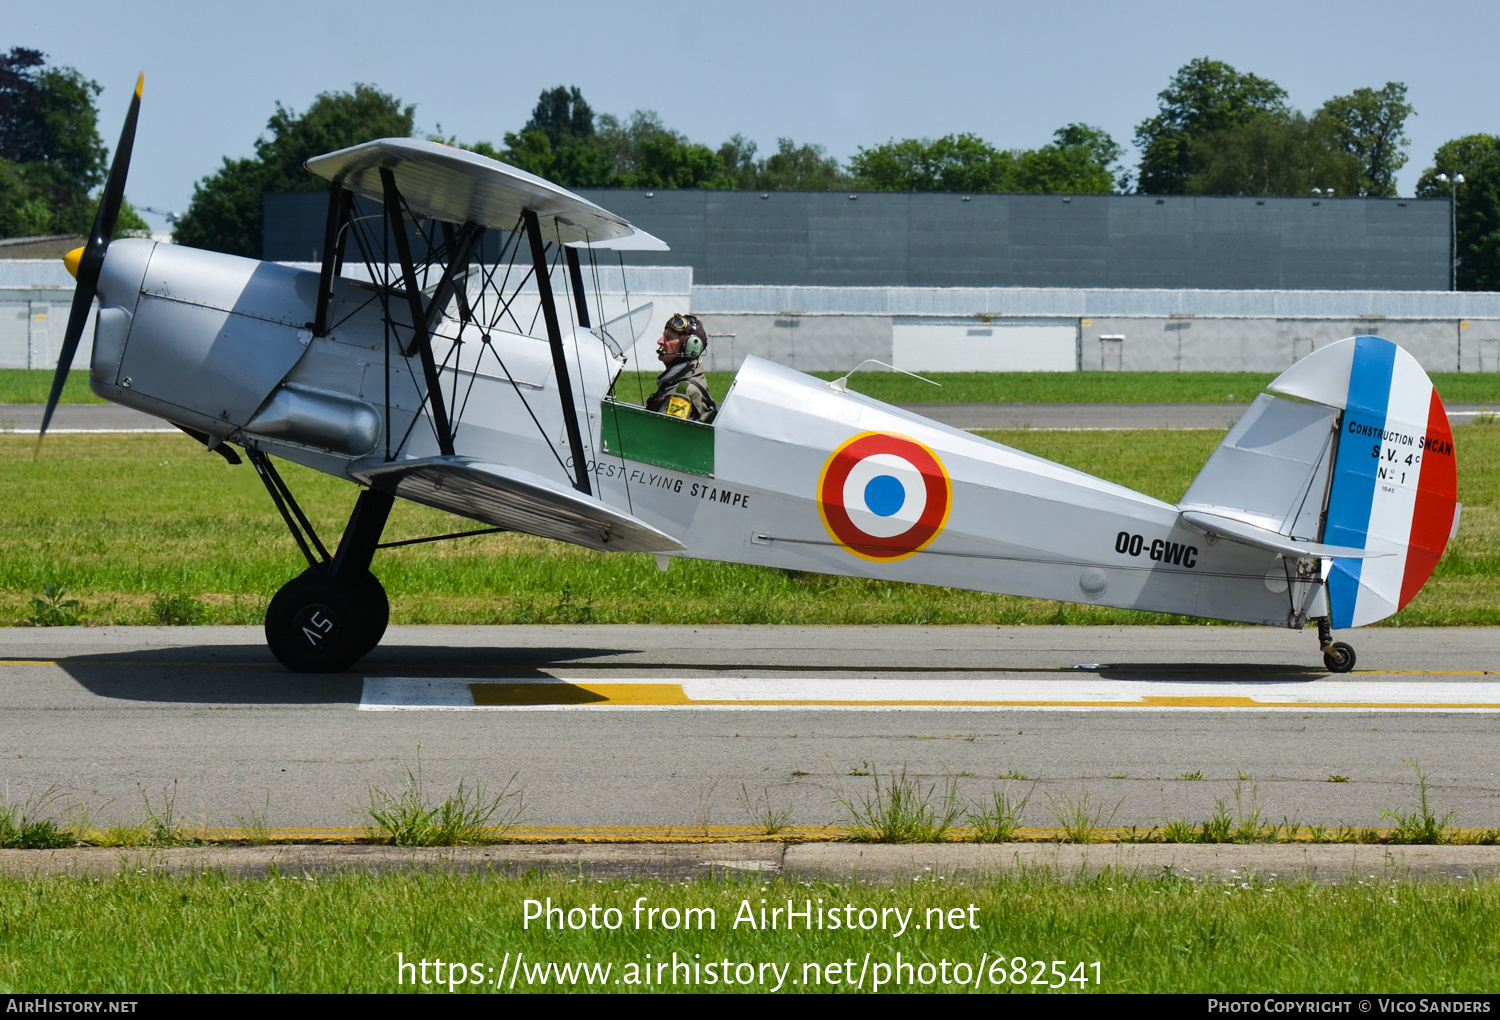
<point x="674" y="726"/>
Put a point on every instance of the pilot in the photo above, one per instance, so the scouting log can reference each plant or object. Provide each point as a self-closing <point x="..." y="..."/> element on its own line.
<point x="681" y="389"/>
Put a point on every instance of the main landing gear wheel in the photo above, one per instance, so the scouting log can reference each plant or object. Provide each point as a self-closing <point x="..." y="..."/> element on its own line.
<point x="1339" y="658"/>
<point x="375" y="608"/>
<point x="316" y="624"/>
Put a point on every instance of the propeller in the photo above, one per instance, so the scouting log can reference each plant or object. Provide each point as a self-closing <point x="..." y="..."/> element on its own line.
<point x="86" y="262"/>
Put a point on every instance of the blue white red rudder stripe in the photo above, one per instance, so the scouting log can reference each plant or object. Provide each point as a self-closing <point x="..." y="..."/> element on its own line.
<point x="1395" y="481"/>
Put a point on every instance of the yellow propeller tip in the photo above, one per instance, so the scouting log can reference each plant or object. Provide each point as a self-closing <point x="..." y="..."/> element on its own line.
<point x="72" y="259"/>
<point x="140" y="83"/>
<point x="36" y="454"/>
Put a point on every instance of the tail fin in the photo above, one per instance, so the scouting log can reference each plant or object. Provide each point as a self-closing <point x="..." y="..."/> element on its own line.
<point x="1371" y="469"/>
<point x="1394" y="481"/>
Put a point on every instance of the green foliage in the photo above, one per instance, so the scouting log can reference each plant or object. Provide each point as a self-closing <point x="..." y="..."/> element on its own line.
<point x="464" y="818"/>
<point x="565" y="143"/>
<point x="767" y="816"/>
<point x="1203" y="97"/>
<point x="208" y="932"/>
<point x="1371" y="127"/>
<point x="1079" y="820"/>
<point x="1420" y="825"/>
<point x="177" y="609"/>
<point x="669" y="162"/>
<point x="31" y="386"/>
<point x="1243" y="825"/>
<point x="791" y="167"/>
<point x="51" y="154"/>
<point x="24" y="210"/>
<point x="562" y="115"/>
<point x="161" y="826"/>
<point x="31" y="826"/>
<point x="997" y="819"/>
<point x="226" y="213"/>
<point x="903" y="809"/>
<point x="1280" y="152"/>
<point x="1477" y="157"/>
<point x="1077" y="162"/>
<point x="53" y="609"/>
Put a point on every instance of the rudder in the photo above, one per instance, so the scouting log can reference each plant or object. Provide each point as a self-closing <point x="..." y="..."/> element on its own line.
<point x="1394" y="479"/>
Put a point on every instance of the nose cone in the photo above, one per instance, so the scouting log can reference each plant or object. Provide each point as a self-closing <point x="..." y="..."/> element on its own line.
<point x="71" y="260"/>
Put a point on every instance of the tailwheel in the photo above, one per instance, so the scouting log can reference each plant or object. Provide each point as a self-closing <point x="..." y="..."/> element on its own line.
<point x="1337" y="655"/>
<point x="316" y="624"/>
<point x="1339" y="658"/>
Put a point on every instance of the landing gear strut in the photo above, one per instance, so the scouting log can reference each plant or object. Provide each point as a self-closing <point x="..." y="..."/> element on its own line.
<point x="335" y="612"/>
<point x="1337" y="656"/>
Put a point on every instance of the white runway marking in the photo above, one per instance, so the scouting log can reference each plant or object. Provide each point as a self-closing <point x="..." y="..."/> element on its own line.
<point x="391" y="694"/>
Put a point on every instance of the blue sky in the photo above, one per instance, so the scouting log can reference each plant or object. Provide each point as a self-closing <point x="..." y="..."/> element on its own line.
<point x="839" y="74"/>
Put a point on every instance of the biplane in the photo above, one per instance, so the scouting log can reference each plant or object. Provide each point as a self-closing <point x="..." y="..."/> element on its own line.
<point x="449" y="352"/>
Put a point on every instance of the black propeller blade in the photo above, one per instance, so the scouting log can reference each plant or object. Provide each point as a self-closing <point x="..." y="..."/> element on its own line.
<point x="92" y="259"/>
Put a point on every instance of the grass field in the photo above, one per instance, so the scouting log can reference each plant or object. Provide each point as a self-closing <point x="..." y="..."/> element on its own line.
<point x="31" y="386"/>
<point x="141" y="933"/>
<point x="152" y="529"/>
<point x="28" y="386"/>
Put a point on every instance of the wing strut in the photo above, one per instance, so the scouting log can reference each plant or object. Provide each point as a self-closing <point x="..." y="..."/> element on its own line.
<point x="419" y="336"/>
<point x="559" y="358"/>
<point x="575" y="277"/>
<point x="339" y="203"/>
<point x="460" y="246"/>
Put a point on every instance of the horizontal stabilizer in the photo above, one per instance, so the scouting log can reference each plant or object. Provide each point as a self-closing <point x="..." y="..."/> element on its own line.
<point x="507" y="497"/>
<point x="1264" y="538"/>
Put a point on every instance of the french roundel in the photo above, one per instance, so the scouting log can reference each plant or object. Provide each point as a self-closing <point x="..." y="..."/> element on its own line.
<point x="884" y="497"/>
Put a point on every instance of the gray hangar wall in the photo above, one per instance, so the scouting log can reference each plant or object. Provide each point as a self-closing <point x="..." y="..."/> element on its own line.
<point x="883" y="239"/>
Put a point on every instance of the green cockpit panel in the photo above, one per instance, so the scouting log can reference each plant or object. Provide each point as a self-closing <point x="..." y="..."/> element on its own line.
<point x="632" y="432"/>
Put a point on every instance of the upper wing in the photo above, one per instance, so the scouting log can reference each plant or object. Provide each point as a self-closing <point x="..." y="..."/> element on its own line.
<point x="460" y="186"/>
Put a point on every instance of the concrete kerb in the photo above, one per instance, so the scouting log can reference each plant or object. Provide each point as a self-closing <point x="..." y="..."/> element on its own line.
<point x="842" y="862"/>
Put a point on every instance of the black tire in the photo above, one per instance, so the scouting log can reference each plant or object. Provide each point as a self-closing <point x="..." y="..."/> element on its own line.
<point x="1340" y="659"/>
<point x="316" y="625"/>
<point x="375" y="608"/>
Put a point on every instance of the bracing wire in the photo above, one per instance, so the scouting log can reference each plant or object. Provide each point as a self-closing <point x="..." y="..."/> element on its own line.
<point x="635" y="341"/>
<point x="619" y="435"/>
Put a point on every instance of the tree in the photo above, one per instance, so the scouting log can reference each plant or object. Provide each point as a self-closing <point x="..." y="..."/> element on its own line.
<point x="1078" y="162"/>
<point x="791" y="167"/>
<point x="559" y="143"/>
<point x="1273" y="153"/>
<point x="673" y="162"/>
<point x="1477" y="157"/>
<point x="1371" y="126"/>
<point x="740" y="164"/>
<point x="50" y="149"/>
<point x="951" y="163"/>
<point x="1203" y="97"/>
<point x="226" y="213"/>
<point x="562" y="115"/>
